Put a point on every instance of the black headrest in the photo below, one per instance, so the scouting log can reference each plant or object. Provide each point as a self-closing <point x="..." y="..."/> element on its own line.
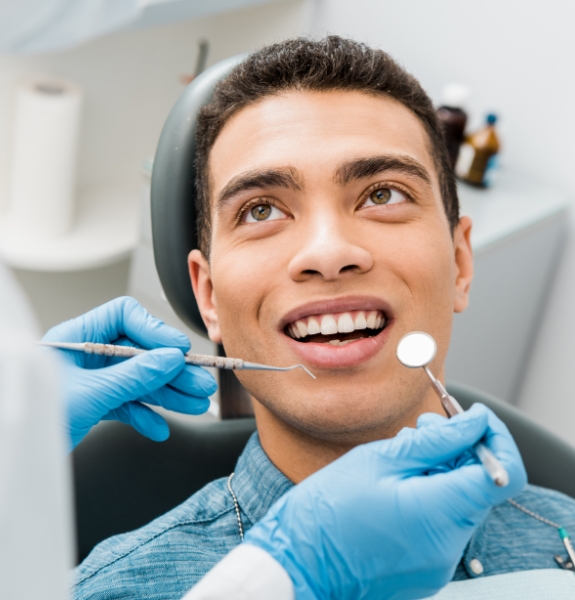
<point x="174" y="193"/>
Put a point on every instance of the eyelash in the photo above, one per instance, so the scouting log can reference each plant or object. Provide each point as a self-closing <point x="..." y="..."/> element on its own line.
<point x="372" y="188"/>
<point x="251" y="203"/>
<point x="386" y="186"/>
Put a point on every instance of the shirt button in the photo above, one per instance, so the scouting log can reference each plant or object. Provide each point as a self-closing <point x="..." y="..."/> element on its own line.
<point x="476" y="566"/>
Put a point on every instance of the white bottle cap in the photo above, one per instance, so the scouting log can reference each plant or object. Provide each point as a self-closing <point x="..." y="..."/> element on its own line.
<point x="455" y="95"/>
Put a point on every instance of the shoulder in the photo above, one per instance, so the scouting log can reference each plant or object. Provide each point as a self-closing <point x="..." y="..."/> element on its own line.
<point x="166" y="557"/>
<point x="550" y="505"/>
<point x="512" y="540"/>
<point x="558" y="504"/>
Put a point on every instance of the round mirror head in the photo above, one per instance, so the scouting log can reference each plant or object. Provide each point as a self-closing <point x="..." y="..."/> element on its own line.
<point x="416" y="349"/>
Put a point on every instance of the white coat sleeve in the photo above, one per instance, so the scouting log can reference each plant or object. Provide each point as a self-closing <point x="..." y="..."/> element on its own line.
<point x="246" y="573"/>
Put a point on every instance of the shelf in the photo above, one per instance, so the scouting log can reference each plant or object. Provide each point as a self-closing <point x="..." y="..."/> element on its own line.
<point x="510" y="207"/>
<point x="105" y="231"/>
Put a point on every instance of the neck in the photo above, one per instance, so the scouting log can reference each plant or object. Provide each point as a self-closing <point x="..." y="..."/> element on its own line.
<point x="298" y="455"/>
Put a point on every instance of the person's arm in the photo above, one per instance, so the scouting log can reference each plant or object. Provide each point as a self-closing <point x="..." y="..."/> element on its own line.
<point x="102" y="388"/>
<point x="388" y="520"/>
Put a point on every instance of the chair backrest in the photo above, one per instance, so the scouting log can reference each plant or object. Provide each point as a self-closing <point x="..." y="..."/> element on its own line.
<point x="124" y="481"/>
<point x="173" y="194"/>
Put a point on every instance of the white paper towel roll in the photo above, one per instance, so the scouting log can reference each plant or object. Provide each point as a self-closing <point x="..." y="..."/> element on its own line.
<point x="42" y="173"/>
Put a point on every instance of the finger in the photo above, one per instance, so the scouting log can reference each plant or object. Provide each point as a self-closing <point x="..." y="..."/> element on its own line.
<point x="469" y="457"/>
<point x="149" y="332"/>
<point x="143" y="419"/>
<point x="192" y="379"/>
<point x="430" y="419"/>
<point x="135" y="377"/>
<point x="122" y="317"/>
<point x="500" y="441"/>
<point x="172" y="399"/>
<point x="435" y="444"/>
<point x="497" y="436"/>
<point x="481" y="490"/>
<point x="474" y="489"/>
<point x="195" y="381"/>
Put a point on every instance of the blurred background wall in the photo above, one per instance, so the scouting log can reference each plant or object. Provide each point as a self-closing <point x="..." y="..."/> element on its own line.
<point x="131" y="79"/>
<point x="517" y="58"/>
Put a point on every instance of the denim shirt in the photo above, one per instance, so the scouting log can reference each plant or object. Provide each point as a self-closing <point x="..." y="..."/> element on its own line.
<point x="164" y="559"/>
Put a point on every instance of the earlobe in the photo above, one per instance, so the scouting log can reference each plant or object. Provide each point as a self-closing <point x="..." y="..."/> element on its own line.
<point x="463" y="263"/>
<point x="201" y="279"/>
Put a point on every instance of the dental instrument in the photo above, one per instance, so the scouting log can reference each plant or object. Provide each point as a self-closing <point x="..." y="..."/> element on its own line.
<point x="416" y="350"/>
<point x="202" y="360"/>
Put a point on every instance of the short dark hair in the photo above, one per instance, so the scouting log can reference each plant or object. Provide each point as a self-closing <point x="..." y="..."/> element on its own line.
<point x="332" y="63"/>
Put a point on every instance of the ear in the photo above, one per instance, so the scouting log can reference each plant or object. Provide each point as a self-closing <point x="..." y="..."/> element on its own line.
<point x="463" y="263"/>
<point x="204" y="291"/>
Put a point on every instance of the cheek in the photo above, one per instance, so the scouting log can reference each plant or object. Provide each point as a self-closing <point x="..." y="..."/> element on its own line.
<point x="431" y="282"/>
<point x="242" y="280"/>
<point x="422" y="260"/>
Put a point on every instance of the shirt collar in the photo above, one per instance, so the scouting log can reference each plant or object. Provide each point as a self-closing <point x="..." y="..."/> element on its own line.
<point x="257" y="482"/>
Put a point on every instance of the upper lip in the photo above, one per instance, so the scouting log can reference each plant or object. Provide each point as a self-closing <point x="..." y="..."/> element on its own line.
<point x="337" y="305"/>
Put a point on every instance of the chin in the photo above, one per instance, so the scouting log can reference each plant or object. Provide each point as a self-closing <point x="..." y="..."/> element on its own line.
<point x="340" y="417"/>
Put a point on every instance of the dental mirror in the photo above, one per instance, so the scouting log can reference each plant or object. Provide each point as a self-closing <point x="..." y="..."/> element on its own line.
<point x="416" y="349"/>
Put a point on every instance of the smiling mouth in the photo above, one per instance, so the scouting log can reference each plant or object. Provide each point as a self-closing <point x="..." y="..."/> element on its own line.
<point x="337" y="329"/>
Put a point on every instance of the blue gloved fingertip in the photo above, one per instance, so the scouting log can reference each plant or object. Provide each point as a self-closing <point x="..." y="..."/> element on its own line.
<point x="427" y="419"/>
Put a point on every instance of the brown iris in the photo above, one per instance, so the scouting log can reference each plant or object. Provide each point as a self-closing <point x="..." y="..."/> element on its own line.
<point x="380" y="196"/>
<point x="261" y="212"/>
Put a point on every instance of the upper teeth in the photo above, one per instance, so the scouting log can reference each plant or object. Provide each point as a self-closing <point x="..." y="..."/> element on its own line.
<point x="336" y="323"/>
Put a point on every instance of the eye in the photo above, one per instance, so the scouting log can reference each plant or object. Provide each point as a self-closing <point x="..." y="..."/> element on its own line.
<point x="384" y="196"/>
<point x="263" y="212"/>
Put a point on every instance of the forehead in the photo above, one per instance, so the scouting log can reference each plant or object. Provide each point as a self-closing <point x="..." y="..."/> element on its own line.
<point x="311" y="130"/>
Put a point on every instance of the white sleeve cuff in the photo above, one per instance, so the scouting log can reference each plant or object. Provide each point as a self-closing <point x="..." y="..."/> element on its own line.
<point x="246" y="573"/>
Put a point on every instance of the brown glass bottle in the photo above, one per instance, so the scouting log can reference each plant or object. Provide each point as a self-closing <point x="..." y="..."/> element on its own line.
<point x="453" y="120"/>
<point x="477" y="155"/>
<point x="453" y="117"/>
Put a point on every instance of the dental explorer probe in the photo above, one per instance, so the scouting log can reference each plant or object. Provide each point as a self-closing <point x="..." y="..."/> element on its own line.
<point x="417" y="349"/>
<point x="202" y="360"/>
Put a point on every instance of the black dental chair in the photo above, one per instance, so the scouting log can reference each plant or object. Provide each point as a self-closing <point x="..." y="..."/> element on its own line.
<point x="122" y="480"/>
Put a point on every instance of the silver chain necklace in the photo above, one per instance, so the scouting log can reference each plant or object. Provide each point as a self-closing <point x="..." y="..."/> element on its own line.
<point x="568" y="564"/>
<point x="564" y="564"/>
<point x="237" y="507"/>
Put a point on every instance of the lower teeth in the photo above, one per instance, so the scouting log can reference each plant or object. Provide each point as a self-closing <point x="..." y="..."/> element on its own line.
<point x="339" y="343"/>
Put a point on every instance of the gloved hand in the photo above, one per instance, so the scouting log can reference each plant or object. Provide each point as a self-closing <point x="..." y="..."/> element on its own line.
<point x="102" y="387"/>
<point x="391" y="519"/>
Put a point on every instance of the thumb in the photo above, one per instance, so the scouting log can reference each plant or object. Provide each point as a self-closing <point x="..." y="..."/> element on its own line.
<point x="136" y="377"/>
<point x="437" y="442"/>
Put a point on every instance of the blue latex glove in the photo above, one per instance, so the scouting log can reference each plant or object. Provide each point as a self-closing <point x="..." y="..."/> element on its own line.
<point x="391" y="519"/>
<point x="104" y="388"/>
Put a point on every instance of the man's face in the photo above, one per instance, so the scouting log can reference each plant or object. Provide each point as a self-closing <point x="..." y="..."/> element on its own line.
<point x="329" y="243"/>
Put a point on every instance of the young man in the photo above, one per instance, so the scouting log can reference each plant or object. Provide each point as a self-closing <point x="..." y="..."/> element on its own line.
<point x="329" y="229"/>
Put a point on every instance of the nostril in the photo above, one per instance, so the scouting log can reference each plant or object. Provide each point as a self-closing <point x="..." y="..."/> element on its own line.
<point x="348" y="268"/>
<point x="310" y="272"/>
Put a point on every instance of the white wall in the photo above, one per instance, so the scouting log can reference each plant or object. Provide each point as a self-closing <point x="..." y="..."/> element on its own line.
<point x="518" y="57"/>
<point x="131" y="80"/>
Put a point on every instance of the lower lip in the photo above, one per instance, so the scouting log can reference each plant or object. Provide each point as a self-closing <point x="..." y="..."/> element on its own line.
<point x="326" y="356"/>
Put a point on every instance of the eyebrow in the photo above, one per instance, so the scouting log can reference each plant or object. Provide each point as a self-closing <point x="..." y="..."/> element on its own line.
<point x="362" y="168"/>
<point x="279" y="177"/>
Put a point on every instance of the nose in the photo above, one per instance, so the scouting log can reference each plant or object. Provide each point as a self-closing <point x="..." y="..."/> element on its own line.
<point x="329" y="250"/>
